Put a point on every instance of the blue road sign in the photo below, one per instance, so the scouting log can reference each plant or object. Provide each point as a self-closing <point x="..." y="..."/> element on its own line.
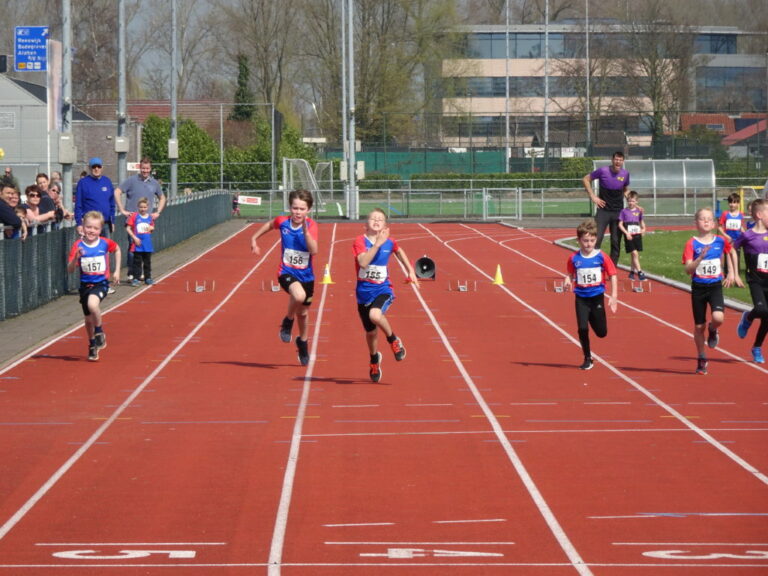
<point x="30" y="49"/>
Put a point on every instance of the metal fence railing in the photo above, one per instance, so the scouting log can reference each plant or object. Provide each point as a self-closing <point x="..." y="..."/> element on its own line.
<point x="34" y="271"/>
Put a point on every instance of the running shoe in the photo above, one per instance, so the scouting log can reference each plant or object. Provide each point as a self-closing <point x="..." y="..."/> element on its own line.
<point x="93" y="353"/>
<point x="588" y="364"/>
<point x="285" y="329"/>
<point x="101" y="340"/>
<point x="110" y="290"/>
<point x="713" y="338"/>
<point x="303" y="350"/>
<point x="398" y="349"/>
<point x="631" y="274"/>
<point x="149" y="281"/>
<point x="744" y="325"/>
<point x="135" y="283"/>
<point x="701" y="366"/>
<point x="757" y="355"/>
<point x="375" y="371"/>
<point x="641" y="275"/>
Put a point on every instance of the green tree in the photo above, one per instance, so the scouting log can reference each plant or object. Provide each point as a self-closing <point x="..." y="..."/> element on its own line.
<point x="243" y="109"/>
<point x="198" y="153"/>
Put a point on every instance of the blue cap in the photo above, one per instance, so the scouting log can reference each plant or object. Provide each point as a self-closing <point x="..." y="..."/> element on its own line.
<point x="95" y="162"/>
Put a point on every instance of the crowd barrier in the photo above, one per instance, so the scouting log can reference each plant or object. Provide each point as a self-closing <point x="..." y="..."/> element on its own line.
<point x="33" y="272"/>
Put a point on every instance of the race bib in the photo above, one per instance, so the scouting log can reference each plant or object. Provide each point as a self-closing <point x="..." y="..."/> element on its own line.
<point x="375" y="274"/>
<point x="633" y="228"/>
<point x="589" y="276"/>
<point x="732" y="224"/>
<point x="708" y="268"/>
<point x="296" y="258"/>
<point x="762" y="263"/>
<point x="143" y="228"/>
<point x="93" y="264"/>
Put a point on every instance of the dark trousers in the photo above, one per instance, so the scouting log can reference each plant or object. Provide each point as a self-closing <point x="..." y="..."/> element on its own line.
<point x="142" y="261"/>
<point x="610" y="219"/>
<point x="590" y="312"/>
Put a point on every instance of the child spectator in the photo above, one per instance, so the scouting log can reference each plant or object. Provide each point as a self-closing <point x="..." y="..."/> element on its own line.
<point x="755" y="244"/>
<point x="139" y="227"/>
<point x="632" y="225"/>
<point x="91" y="255"/>
<point x="374" y="289"/>
<point x="235" y="204"/>
<point x="703" y="259"/>
<point x="298" y="234"/>
<point x="588" y="268"/>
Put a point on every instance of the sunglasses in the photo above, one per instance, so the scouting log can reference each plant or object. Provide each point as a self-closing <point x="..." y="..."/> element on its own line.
<point x="33" y="195"/>
<point x="95" y="166"/>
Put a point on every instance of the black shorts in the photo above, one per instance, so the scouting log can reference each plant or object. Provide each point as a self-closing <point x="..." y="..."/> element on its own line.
<point x="635" y="244"/>
<point x="703" y="294"/>
<point x="382" y="301"/>
<point x="285" y="280"/>
<point x="99" y="289"/>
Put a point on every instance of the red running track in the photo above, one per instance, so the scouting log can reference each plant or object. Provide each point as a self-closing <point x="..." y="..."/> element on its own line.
<point x="199" y="445"/>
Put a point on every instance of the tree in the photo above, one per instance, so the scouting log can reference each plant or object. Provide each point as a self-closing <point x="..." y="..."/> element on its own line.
<point x="243" y="109"/>
<point x="660" y="58"/>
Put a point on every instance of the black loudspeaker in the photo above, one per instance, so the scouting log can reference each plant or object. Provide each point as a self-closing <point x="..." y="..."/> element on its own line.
<point x="3" y="63"/>
<point x="425" y="268"/>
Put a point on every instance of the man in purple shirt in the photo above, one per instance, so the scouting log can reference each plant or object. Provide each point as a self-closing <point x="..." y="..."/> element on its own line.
<point x="614" y="186"/>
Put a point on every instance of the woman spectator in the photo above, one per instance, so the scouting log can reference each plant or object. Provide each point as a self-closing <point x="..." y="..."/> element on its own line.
<point x="61" y="213"/>
<point x="34" y="216"/>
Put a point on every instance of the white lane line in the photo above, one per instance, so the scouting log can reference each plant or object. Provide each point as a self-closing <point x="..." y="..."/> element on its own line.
<point x="79" y="325"/>
<point x="51" y="482"/>
<point x="281" y="521"/>
<point x="469" y="521"/>
<point x="711" y="440"/>
<point x="570" y="550"/>
<point x="358" y="525"/>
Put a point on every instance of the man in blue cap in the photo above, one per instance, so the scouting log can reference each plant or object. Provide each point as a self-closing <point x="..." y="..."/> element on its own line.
<point x="95" y="192"/>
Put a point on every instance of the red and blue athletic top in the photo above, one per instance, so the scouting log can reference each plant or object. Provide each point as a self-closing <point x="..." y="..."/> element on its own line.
<point x="589" y="273"/>
<point x="709" y="270"/>
<point x="732" y="224"/>
<point x="373" y="280"/>
<point x="94" y="259"/>
<point x="295" y="259"/>
<point x="142" y="227"/>
<point x="755" y="248"/>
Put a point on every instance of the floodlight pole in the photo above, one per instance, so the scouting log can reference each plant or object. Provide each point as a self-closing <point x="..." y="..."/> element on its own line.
<point x="354" y="209"/>
<point x="122" y="171"/>
<point x="66" y="94"/>
<point x="589" y="127"/>
<point x="173" y="143"/>
<point x="507" y="150"/>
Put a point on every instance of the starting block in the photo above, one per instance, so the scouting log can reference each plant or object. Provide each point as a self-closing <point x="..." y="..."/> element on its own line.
<point x="273" y="286"/>
<point x="201" y="286"/>
<point x="637" y="286"/>
<point x="557" y="286"/>
<point x="462" y="286"/>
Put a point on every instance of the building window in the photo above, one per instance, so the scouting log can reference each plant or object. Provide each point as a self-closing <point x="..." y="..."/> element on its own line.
<point x="715" y="44"/>
<point x="730" y="88"/>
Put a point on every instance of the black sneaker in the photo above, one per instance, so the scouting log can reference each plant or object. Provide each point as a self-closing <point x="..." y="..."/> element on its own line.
<point x="303" y="349"/>
<point x="285" y="329"/>
<point x="93" y="353"/>
<point x="713" y="338"/>
<point x="701" y="366"/>
<point x="398" y="349"/>
<point x="588" y="364"/>
<point x="101" y="340"/>
<point x="375" y="371"/>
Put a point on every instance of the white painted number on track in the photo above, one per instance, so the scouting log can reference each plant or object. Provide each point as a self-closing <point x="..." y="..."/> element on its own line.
<point x="421" y="553"/>
<point x="122" y="555"/>
<point x="687" y="555"/>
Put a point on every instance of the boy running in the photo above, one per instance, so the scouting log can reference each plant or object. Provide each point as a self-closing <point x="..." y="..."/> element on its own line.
<point x="588" y="269"/>
<point x="91" y="255"/>
<point x="755" y="244"/>
<point x="374" y="289"/>
<point x="298" y="234"/>
<point x="733" y="222"/>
